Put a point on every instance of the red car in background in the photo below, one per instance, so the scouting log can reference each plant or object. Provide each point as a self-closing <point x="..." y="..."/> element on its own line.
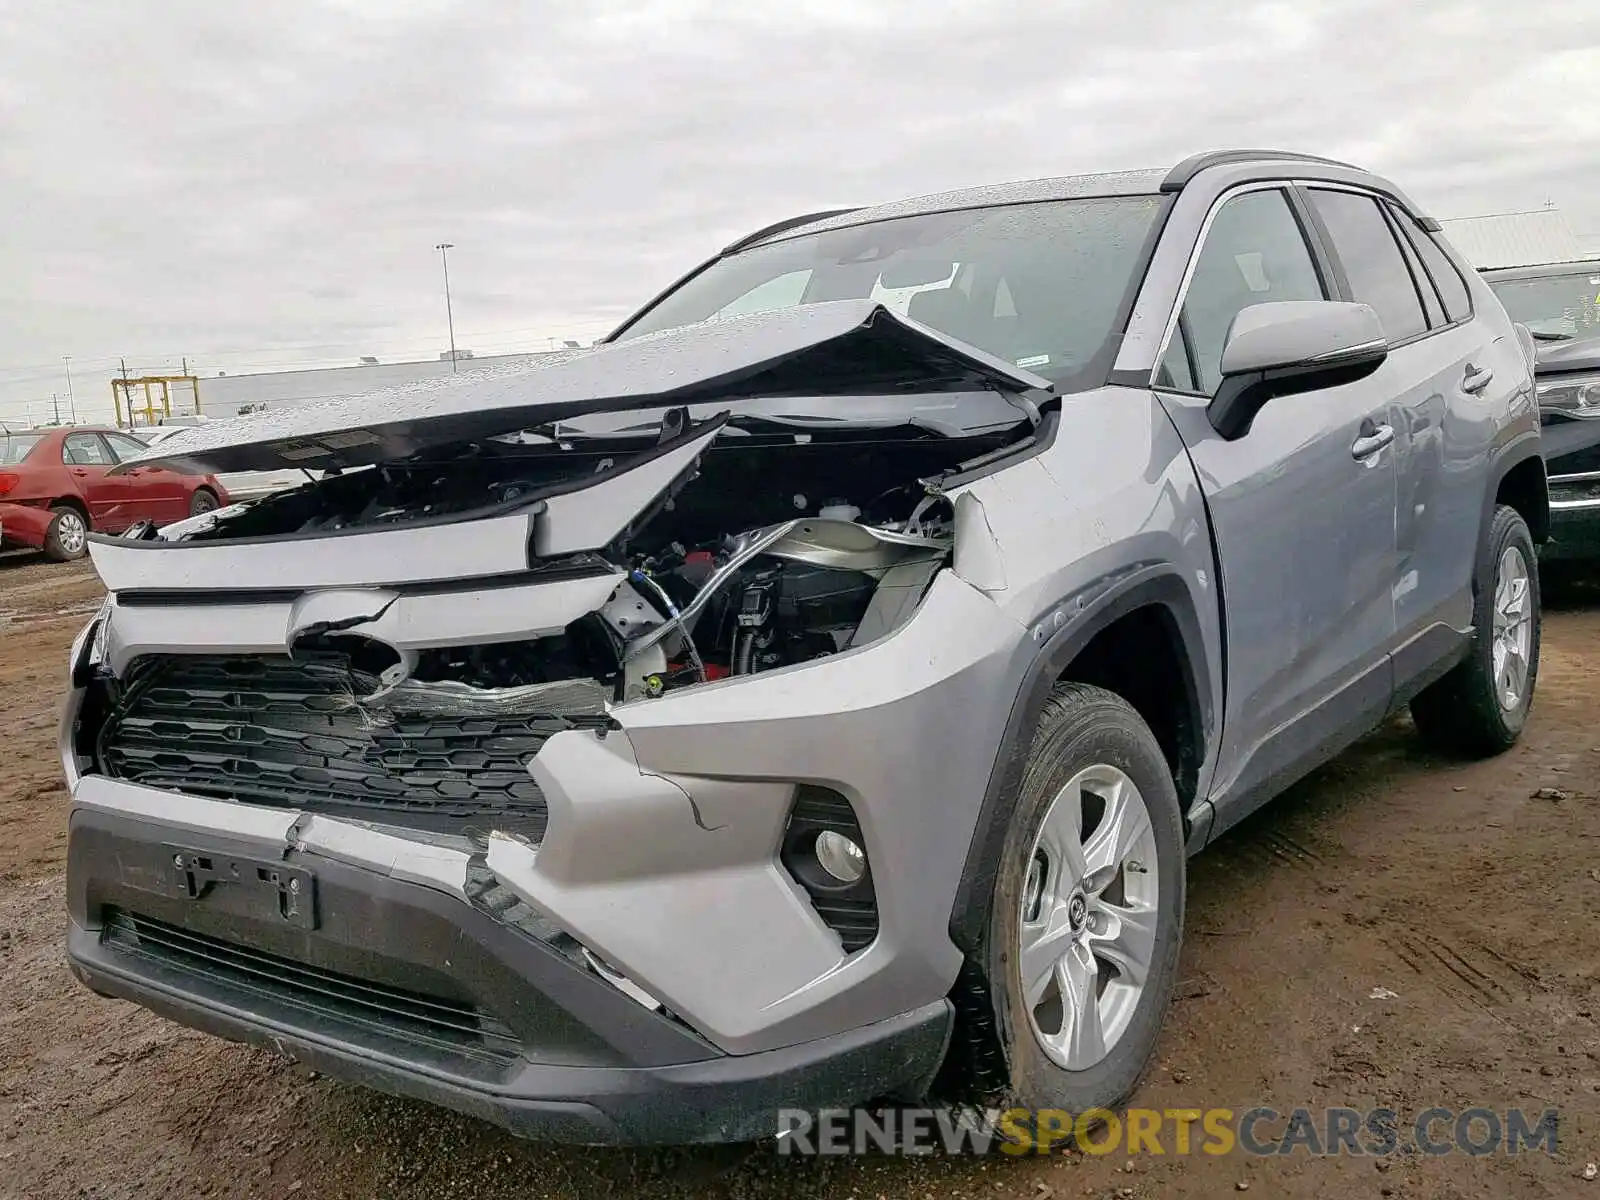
<point x="55" y="488"/>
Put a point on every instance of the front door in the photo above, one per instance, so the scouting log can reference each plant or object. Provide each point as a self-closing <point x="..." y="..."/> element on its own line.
<point x="1303" y="512"/>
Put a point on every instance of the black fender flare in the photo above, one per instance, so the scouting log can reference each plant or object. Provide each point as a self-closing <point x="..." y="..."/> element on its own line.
<point x="1091" y="610"/>
<point x="1508" y="458"/>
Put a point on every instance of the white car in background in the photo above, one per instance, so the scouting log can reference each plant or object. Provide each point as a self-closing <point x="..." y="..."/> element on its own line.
<point x="241" y="485"/>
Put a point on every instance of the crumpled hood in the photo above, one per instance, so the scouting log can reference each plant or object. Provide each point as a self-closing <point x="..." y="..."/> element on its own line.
<point x="851" y="346"/>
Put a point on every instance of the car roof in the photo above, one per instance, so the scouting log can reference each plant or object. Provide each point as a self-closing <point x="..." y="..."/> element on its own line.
<point x="1145" y="182"/>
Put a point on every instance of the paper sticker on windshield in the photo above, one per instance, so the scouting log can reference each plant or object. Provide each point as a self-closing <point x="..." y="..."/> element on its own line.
<point x="1034" y="360"/>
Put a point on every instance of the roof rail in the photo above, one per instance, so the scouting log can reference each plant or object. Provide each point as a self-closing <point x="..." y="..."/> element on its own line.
<point x="788" y="223"/>
<point x="1185" y="171"/>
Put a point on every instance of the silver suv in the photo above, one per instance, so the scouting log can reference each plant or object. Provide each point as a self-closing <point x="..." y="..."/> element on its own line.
<point x="810" y="694"/>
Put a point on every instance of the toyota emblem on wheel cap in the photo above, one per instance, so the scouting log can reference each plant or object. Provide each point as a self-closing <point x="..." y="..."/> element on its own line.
<point x="1077" y="911"/>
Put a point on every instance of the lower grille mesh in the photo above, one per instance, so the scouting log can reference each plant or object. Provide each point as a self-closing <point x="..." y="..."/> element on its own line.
<point x="449" y="1025"/>
<point x="268" y="729"/>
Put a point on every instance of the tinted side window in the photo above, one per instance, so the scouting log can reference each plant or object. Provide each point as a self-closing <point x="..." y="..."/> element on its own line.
<point x="1254" y="253"/>
<point x="1452" y="288"/>
<point x="86" y="450"/>
<point x="1372" y="261"/>
<point x="1419" y="277"/>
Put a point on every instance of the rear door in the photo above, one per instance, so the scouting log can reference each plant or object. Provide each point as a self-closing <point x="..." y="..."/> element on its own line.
<point x="87" y="459"/>
<point x="156" y="493"/>
<point x="1442" y="377"/>
<point x="1302" y="511"/>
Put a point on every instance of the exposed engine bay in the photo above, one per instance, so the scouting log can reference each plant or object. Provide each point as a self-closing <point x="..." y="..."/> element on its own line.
<point x="770" y="547"/>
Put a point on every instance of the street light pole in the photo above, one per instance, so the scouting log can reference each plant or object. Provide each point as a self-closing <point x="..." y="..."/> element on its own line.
<point x="72" y="402"/>
<point x="444" y="261"/>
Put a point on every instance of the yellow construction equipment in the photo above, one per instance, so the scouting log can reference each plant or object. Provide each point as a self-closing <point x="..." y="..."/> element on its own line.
<point x="156" y="394"/>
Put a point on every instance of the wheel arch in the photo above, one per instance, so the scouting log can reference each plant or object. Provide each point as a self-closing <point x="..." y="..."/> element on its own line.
<point x="1157" y="594"/>
<point x="1517" y="478"/>
<point x="74" y="502"/>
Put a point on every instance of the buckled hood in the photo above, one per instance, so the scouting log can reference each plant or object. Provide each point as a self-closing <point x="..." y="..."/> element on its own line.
<point x="840" y="347"/>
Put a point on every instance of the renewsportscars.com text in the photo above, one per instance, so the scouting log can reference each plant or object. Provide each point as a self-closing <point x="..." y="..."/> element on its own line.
<point x="1317" y="1132"/>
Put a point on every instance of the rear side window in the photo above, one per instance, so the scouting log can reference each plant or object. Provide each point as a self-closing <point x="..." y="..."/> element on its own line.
<point x="1419" y="277"/>
<point x="1452" y="288"/>
<point x="14" y="447"/>
<point x="1372" y="261"/>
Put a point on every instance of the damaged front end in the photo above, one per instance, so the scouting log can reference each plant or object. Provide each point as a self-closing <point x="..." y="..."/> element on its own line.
<point x="408" y="677"/>
<point x="605" y="680"/>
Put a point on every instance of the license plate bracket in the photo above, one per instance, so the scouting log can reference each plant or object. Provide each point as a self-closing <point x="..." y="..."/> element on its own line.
<point x="290" y="892"/>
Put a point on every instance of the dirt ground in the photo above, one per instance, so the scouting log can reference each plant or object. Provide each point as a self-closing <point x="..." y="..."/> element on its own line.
<point x="1468" y="891"/>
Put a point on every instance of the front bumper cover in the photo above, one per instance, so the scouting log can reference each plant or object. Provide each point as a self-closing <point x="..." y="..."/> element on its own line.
<point x="586" y="1064"/>
<point x="659" y="860"/>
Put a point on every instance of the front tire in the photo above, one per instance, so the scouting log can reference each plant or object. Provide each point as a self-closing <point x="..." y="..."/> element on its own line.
<point x="67" y="537"/>
<point x="1481" y="706"/>
<point x="1087" y="914"/>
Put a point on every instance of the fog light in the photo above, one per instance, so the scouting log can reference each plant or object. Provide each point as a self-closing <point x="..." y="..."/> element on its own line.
<point x="840" y="857"/>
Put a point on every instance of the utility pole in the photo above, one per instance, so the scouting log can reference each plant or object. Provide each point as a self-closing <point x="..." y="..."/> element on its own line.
<point x="55" y="401"/>
<point x="71" y="400"/>
<point x="444" y="249"/>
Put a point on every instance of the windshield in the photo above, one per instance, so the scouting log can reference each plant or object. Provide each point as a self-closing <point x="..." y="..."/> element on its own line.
<point x="14" y="447"/>
<point x="1039" y="285"/>
<point x="1566" y="303"/>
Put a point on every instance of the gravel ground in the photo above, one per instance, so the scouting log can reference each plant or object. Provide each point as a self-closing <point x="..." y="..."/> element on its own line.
<point x="1467" y="891"/>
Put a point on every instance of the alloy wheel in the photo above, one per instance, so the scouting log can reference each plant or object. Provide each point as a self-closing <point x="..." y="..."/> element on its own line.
<point x="1087" y="935"/>
<point x="1512" y="636"/>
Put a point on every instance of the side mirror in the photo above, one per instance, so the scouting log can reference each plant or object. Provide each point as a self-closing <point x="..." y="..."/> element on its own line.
<point x="1291" y="346"/>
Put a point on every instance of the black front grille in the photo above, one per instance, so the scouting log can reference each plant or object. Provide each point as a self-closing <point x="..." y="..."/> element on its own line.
<point x="448" y="1025"/>
<point x="268" y="729"/>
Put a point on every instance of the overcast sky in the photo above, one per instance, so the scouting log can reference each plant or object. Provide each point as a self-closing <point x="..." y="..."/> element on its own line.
<point x="261" y="185"/>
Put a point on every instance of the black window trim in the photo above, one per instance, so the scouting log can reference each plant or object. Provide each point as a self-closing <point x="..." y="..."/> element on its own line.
<point x="1321" y="263"/>
<point x="1393" y="206"/>
<point x="1421" y="281"/>
<point x="1382" y="199"/>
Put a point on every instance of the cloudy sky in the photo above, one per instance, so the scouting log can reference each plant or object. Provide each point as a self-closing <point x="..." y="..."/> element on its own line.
<point x="260" y="186"/>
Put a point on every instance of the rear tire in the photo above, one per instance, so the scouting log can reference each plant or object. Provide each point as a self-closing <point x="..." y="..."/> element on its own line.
<point x="1481" y="706"/>
<point x="1111" y="935"/>
<point x="203" y="501"/>
<point x="67" y="538"/>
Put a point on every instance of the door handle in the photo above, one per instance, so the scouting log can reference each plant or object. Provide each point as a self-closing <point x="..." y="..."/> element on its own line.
<point x="1373" y="438"/>
<point x="1477" y="378"/>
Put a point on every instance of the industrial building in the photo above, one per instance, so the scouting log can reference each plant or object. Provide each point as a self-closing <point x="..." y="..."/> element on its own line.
<point x="225" y="395"/>
<point x="1518" y="239"/>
